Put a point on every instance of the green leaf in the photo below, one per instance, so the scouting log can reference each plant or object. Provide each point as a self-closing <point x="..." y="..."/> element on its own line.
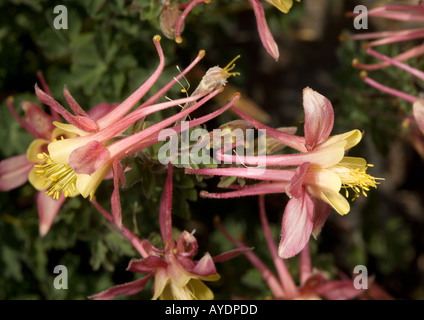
<point x="12" y="262"/>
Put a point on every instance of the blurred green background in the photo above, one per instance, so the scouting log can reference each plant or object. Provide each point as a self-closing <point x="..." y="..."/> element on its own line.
<point x="107" y="52"/>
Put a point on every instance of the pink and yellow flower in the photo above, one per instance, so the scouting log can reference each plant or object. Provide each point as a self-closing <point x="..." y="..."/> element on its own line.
<point x="176" y="275"/>
<point x="312" y="178"/>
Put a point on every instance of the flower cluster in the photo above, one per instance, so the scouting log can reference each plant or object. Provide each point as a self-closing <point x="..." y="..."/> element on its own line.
<point x="73" y="152"/>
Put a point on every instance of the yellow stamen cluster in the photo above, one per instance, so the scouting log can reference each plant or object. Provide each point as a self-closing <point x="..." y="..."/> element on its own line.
<point x="61" y="177"/>
<point x="230" y="66"/>
<point x="357" y="179"/>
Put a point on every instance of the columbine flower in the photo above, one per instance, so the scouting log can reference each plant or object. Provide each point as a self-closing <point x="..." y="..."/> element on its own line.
<point x="87" y="156"/>
<point x="176" y="275"/>
<point x="264" y="33"/>
<point x="17" y="170"/>
<point x="321" y="171"/>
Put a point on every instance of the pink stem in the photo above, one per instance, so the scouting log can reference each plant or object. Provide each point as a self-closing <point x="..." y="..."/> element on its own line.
<point x="125" y="106"/>
<point x="165" y="215"/>
<point x="132" y="142"/>
<point x="268" y="276"/>
<point x="409" y="54"/>
<point x="127" y="121"/>
<point x="419" y="74"/>
<point x="135" y="241"/>
<point x="415" y="34"/>
<point x="291" y="140"/>
<point x="376" y="35"/>
<point x="252" y="190"/>
<point x="305" y="264"/>
<point x="73" y="104"/>
<point x="184" y="14"/>
<point x="285" y="278"/>
<point x="179" y="128"/>
<point x="24" y="124"/>
<point x="162" y="91"/>
<point x="250" y="173"/>
<point x="46" y="88"/>
<point x="386" y="89"/>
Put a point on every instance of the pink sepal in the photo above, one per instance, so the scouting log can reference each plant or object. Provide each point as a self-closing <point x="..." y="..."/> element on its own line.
<point x="14" y="172"/>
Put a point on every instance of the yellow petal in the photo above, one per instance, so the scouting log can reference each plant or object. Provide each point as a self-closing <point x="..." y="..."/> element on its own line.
<point x="88" y="184"/>
<point x="353" y="162"/>
<point x="326" y="157"/>
<point x="211" y="277"/>
<point x="58" y="133"/>
<point x="37" y="181"/>
<point x="337" y="201"/>
<point x="161" y="281"/>
<point x="200" y="290"/>
<point x="352" y="138"/>
<point x="70" y="128"/>
<point x="36" y="147"/>
<point x="283" y="5"/>
<point x="323" y="179"/>
<point x="60" y="150"/>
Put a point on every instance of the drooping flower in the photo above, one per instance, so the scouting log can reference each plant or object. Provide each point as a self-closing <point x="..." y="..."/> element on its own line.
<point x="177" y="276"/>
<point x="312" y="178"/>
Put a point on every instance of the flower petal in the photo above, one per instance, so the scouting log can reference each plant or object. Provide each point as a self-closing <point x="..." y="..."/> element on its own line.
<point x="88" y="184"/>
<point x="40" y="121"/>
<point x="264" y="33"/>
<point x="187" y="244"/>
<point x="60" y="150"/>
<point x="206" y="267"/>
<point x="149" y="264"/>
<point x="37" y="146"/>
<point x="296" y="226"/>
<point x="321" y="212"/>
<point x="295" y="187"/>
<point x="14" y="172"/>
<point x="337" y="201"/>
<point x="200" y="290"/>
<point x="323" y="179"/>
<point x="352" y="138"/>
<point x="88" y="158"/>
<point x="282" y="5"/>
<point x="47" y="211"/>
<point x="179" y="276"/>
<point x="70" y="128"/>
<point x="319" y="118"/>
<point x="36" y="181"/>
<point x="128" y="288"/>
<point x="161" y="281"/>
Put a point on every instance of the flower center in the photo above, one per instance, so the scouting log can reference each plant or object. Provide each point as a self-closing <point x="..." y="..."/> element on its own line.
<point x="61" y="177"/>
<point x="356" y="179"/>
